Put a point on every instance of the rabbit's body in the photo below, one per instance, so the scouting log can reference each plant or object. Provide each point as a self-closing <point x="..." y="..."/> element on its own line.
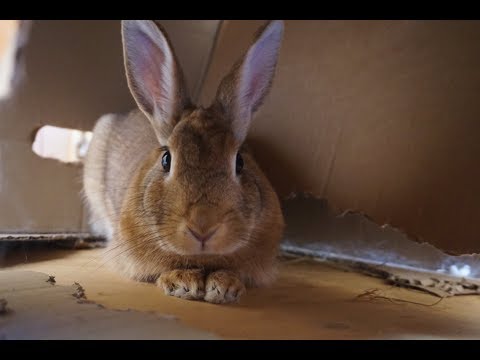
<point x="112" y="159"/>
<point x="173" y="187"/>
<point x="112" y="167"/>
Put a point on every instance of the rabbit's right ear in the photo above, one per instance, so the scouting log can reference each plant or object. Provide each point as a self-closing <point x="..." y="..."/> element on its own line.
<point x="154" y="76"/>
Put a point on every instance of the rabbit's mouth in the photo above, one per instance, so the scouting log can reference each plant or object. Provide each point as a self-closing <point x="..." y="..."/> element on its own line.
<point x="217" y="240"/>
<point x="202" y="238"/>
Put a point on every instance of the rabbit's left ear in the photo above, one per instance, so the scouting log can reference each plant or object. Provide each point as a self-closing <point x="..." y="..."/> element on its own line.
<point x="243" y="90"/>
<point x="154" y="75"/>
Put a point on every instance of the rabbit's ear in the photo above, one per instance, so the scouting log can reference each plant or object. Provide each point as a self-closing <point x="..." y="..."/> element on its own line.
<point x="243" y="90"/>
<point x="154" y="75"/>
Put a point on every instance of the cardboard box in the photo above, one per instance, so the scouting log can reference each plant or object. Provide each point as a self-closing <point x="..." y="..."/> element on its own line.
<point x="380" y="117"/>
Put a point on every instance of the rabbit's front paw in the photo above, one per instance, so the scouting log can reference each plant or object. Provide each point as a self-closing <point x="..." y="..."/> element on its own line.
<point x="223" y="287"/>
<point x="185" y="284"/>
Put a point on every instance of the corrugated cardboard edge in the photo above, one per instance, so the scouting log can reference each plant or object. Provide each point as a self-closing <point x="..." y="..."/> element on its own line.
<point x="47" y="236"/>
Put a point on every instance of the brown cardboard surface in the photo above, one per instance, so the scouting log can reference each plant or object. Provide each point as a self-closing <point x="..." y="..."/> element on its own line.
<point x="36" y="308"/>
<point x="74" y="73"/>
<point x="308" y="301"/>
<point x="375" y="116"/>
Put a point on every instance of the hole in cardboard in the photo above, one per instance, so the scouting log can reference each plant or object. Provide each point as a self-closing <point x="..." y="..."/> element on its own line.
<point x="65" y="145"/>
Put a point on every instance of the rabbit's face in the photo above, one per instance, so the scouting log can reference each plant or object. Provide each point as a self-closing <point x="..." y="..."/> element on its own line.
<point x="207" y="186"/>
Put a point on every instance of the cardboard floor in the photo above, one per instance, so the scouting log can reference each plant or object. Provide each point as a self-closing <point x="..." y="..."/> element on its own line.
<point x="309" y="301"/>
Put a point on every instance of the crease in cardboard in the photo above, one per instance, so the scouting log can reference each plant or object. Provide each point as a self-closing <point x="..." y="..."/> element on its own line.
<point x="314" y="230"/>
<point x="203" y="73"/>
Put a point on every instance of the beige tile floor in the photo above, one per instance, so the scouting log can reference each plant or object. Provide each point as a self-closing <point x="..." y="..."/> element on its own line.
<point x="308" y="301"/>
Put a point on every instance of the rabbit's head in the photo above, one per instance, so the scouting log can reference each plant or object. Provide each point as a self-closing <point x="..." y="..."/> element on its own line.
<point x="201" y="192"/>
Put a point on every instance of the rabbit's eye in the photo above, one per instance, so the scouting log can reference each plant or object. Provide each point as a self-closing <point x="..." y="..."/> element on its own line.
<point x="239" y="166"/>
<point x="166" y="159"/>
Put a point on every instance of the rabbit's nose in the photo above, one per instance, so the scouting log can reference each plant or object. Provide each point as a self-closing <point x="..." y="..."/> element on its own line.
<point x="202" y="237"/>
<point x="203" y="219"/>
<point x="203" y="222"/>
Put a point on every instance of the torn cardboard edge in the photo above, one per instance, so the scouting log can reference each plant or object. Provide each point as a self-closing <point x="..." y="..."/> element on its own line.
<point x="311" y="224"/>
<point x="356" y="241"/>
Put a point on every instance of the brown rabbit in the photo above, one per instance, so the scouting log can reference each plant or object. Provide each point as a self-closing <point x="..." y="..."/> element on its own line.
<point x="173" y="187"/>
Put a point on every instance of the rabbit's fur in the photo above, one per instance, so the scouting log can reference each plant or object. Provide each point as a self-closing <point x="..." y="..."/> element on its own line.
<point x="202" y="227"/>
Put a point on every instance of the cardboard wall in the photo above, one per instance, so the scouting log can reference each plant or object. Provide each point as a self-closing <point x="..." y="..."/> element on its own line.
<point x="377" y="116"/>
<point x="73" y="74"/>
